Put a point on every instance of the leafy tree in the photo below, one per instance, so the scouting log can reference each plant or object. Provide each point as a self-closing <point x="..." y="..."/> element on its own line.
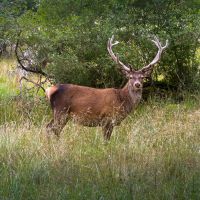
<point x="72" y="36"/>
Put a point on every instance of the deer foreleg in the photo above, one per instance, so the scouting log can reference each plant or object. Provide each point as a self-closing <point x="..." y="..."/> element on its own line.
<point x="57" y="124"/>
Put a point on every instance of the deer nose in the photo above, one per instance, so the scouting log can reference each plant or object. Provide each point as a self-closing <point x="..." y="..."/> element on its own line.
<point x="137" y="85"/>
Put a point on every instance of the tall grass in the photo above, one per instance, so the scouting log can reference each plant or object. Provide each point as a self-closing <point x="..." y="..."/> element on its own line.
<point x="14" y="105"/>
<point x="154" y="154"/>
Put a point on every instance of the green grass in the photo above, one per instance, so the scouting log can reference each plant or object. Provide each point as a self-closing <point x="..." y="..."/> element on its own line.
<point x="7" y="79"/>
<point x="16" y="107"/>
<point x="154" y="154"/>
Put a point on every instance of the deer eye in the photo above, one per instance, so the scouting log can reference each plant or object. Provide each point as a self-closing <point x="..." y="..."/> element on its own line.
<point x="131" y="77"/>
<point x="142" y="77"/>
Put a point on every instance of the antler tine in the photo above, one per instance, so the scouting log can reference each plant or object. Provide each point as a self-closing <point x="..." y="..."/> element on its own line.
<point x="157" y="42"/>
<point x="111" y="41"/>
<point x="158" y="55"/>
<point x="115" y="57"/>
<point x="166" y="44"/>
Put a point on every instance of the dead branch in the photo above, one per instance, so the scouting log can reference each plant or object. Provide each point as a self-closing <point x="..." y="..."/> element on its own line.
<point x="38" y="85"/>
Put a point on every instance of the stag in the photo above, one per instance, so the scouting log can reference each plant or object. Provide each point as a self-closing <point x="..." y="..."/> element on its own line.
<point x="99" y="107"/>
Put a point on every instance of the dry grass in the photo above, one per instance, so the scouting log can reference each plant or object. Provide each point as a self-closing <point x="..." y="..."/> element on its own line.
<point x="154" y="154"/>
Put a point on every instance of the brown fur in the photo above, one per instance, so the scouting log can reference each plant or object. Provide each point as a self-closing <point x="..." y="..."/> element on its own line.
<point x="89" y="106"/>
<point x="99" y="107"/>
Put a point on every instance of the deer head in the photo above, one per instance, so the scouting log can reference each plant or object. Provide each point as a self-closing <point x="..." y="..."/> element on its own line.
<point x="136" y="78"/>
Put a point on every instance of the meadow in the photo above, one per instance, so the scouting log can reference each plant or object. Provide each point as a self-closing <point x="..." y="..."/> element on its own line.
<point x="153" y="154"/>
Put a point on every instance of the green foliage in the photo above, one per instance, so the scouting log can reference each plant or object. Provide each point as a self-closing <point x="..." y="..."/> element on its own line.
<point x="73" y="36"/>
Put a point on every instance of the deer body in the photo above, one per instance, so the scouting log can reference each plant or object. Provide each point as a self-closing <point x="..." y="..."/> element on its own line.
<point x="90" y="106"/>
<point x="98" y="107"/>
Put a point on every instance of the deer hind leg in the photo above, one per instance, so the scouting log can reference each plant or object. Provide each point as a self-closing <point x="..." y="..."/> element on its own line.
<point x="107" y="130"/>
<point x="49" y="126"/>
<point x="57" y="123"/>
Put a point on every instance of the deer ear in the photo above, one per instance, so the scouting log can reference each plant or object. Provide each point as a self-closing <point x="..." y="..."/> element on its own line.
<point x="147" y="72"/>
<point x="127" y="74"/>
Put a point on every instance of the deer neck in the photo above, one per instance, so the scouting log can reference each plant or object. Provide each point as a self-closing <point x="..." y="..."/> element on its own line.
<point x="131" y="97"/>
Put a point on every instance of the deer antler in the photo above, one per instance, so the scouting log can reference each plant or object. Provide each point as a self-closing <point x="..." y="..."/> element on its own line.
<point x="115" y="57"/>
<point x="158" y="55"/>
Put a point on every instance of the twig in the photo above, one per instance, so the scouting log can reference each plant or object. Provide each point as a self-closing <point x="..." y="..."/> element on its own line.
<point x="28" y="80"/>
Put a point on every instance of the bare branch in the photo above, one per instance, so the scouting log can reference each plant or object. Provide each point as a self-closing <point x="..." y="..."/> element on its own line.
<point x="35" y="70"/>
<point x="28" y="80"/>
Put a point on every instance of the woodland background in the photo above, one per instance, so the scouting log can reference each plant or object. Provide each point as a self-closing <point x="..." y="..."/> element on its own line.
<point x="71" y="37"/>
<point x="154" y="153"/>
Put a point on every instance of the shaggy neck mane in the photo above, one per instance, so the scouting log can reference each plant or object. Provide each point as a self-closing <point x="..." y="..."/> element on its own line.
<point x="131" y="97"/>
